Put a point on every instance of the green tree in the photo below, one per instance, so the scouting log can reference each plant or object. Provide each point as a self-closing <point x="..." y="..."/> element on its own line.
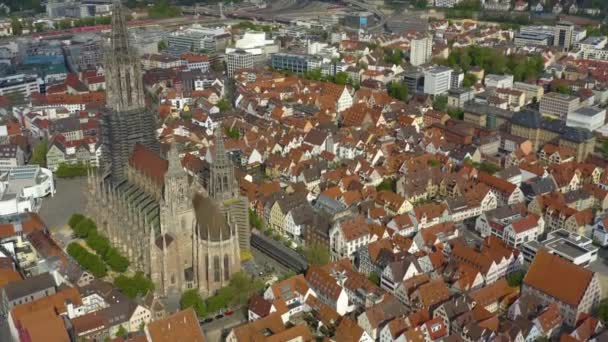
<point x="388" y="184"/>
<point x="116" y="261"/>
<point x="374" y="278"/>
<point x="515" y="279"/>
<point x="317" y="254"/>
<point x="440" y="103"/>
<point x="75" y="219"/>
<point x="192" y="299"/>
<point x="39" y="27"/>
<point x="393" y="56"/>
<point x="98" y="243"/>
<point x="420" y="4"/>
<point x="255" y="220"/>
<point x="469" y="80"/>
<point x="87" y="260"/>
<point x="341" y="78"/>
<point x="135" y="286"/>
<point x="84" y="228"/>
<point x="121" y="331"/>
<point x="233" y="133"/>
<point x="162" y="45"/>
<point x="162" y="9"/>
<point x="39" y="153"/>
<point x="561" y="88"/>
<point x="602" y="311"/>
<point x="398" y="90"/>
<point x="223" y="105"/>
<point x="16" y="26"/>
<point x="489" y="167"/>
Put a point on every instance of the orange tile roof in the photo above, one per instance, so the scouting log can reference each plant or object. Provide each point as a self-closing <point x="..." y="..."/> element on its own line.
<point x="558" y="278"/>
<point x="181" y="326"/>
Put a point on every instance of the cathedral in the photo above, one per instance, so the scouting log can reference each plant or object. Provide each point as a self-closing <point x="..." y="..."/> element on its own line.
<point x="164" y="222"/>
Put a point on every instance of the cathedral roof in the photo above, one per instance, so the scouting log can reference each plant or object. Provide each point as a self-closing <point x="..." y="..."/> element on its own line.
<point x="211" y="222"/>
<point x="149" y="163"/>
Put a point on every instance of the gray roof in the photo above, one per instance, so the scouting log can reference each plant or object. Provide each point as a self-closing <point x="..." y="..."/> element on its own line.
<point x="533" y="119"/>
<point x="538" y="186"/>
<point x="28" y="286"/>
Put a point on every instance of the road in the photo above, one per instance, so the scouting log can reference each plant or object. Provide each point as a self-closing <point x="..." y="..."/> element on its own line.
<point x="217" y="330"/>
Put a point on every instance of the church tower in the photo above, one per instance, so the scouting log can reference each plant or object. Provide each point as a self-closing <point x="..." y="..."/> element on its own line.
<point x="127" y="121"/>
<point x="224" y="189"/>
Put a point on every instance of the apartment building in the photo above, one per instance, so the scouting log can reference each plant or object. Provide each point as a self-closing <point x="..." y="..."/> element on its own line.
<point x="558" y="105"/>
<point x="421" y="49"/>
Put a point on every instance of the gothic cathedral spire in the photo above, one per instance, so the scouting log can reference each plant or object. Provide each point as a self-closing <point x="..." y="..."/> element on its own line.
<point x="123" y="71"/>
<point x="222" y="172"/>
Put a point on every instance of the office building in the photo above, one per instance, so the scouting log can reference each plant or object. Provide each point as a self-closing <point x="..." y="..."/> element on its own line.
<point x="533" y="39"/>
<point x="531" y="91"/>
<point x="437" y="80"/>
<point x="457" y="97"/>
<point x="360" y="20"/>
<point x="24" y="84"/>
<point x="564" y="35"/>
<point x="558" y="105"/>
<point x="198" y="38"/>
<point x="456" y="79"/>
<point x="238" y="59"/>
<point x="291" y="62"/>
<point x="498" y="81"/>
<point x="421" y="50"/>
<point x="414" y="80"/>
<point x="590" y="118"/>
<point x="573" y="247"/>
<point x="83" y="52"/>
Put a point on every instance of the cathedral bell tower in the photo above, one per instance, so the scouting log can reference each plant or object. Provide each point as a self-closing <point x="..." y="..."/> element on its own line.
<point x="222" y="184"/>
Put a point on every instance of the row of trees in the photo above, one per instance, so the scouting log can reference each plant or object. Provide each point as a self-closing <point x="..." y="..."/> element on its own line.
<point x="493" y="61"/>
<point x="85" y="228"/>
<point x="137" y="285"/>
<point x="237" y="293"/>
<point x="91" y="262"/>
<point x="162" y="9"/>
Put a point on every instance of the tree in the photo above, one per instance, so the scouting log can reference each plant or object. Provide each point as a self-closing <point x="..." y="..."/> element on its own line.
<point x="98" y="243"/>
<point x="233" y="133"/>
<point x="374" y="278"/>
<point x="561" y="88"/>
<point x="420" y="4"/>
<point x="16" y="26"/>
<point x="316" y="254"/>
<point x="88" y="260"/>
<point x="398" y="90"/>
<point x="602" y="311"/>
<point x="515" y="278"/>
<point x="138" y="285"/>
<point x="39" y="27"/>
<point x="393" y="56"/>
<point x="469" y="80"/>
<point x="121" y="331"/>
<point x="388" y="184"/>
<point x="162" y="9"/>
<point x="115" y="260"/>
<point x="162" y="45"/>
<point x="39" y="153"/>
<point x="223" y="105"/>
<point x="489" y="167"/>
<point x="75" y="219"/>
<point x="84" y="228"/>
<point x="440" y="103"/>
<point x="192" y="299"/>
<point x="255" y="220"/>
<point x="341" y="78"/>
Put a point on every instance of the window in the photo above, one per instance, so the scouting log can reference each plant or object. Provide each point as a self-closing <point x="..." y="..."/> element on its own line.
<point x="216" y="268"/>
<point x="226" y="267"/>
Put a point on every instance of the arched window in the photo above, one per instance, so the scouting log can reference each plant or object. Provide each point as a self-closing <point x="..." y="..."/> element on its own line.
<point x="226" y="267"/>
<point x="216" y="268"/>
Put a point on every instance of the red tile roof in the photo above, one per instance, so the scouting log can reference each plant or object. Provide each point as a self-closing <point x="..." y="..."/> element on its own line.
<point x="149" y="163"/>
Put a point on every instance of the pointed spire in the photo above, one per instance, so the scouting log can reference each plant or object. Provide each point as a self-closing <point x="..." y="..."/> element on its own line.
<point x="119" y="37"/>
<point x="219" y="159"/>
<point x="175" y="163"/>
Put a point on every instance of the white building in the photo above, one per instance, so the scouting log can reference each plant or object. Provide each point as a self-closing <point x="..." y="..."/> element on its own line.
<point x="22" y="188"/>
<point x="437" y="80"/>
<point x="238" y="59"/>
<point x="499" y="81"/>
<point x="590" y="118"/>
<point x="421" y="49"/>
<point x="573" y="247"/>
<point x="256" y="44"/>
<point x="19" y="83"/>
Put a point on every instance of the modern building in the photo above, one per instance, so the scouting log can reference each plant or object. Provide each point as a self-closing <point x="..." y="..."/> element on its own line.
<point x="23" y="84"/>
<point x="558" y="105"/>
<point x="437" y="80"/>
<point x="359" y="20"/>
<point x="198" y="38"/>
<point x="590" y="118"/>
<point x="573" y="247"/>
<point x="421" y="50"/>
<point x="238" y="59"/>
<point x="564" y="35"/>
<point x="533" y="39"/>
<point x="414" y="80"/>
<point x="531" y="91"/>
<point x="573" y="288"/>
<point x="292" y="62"/>
<point x="498" y="81"/>
<point x="457" y="97"/>
<point x="22" y="189"/>
<point x="257" y="45"/>
<point x="83" y="52"/>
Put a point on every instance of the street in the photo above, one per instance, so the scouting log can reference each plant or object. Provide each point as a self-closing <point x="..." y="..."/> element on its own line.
<point x="217" y="329"/>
